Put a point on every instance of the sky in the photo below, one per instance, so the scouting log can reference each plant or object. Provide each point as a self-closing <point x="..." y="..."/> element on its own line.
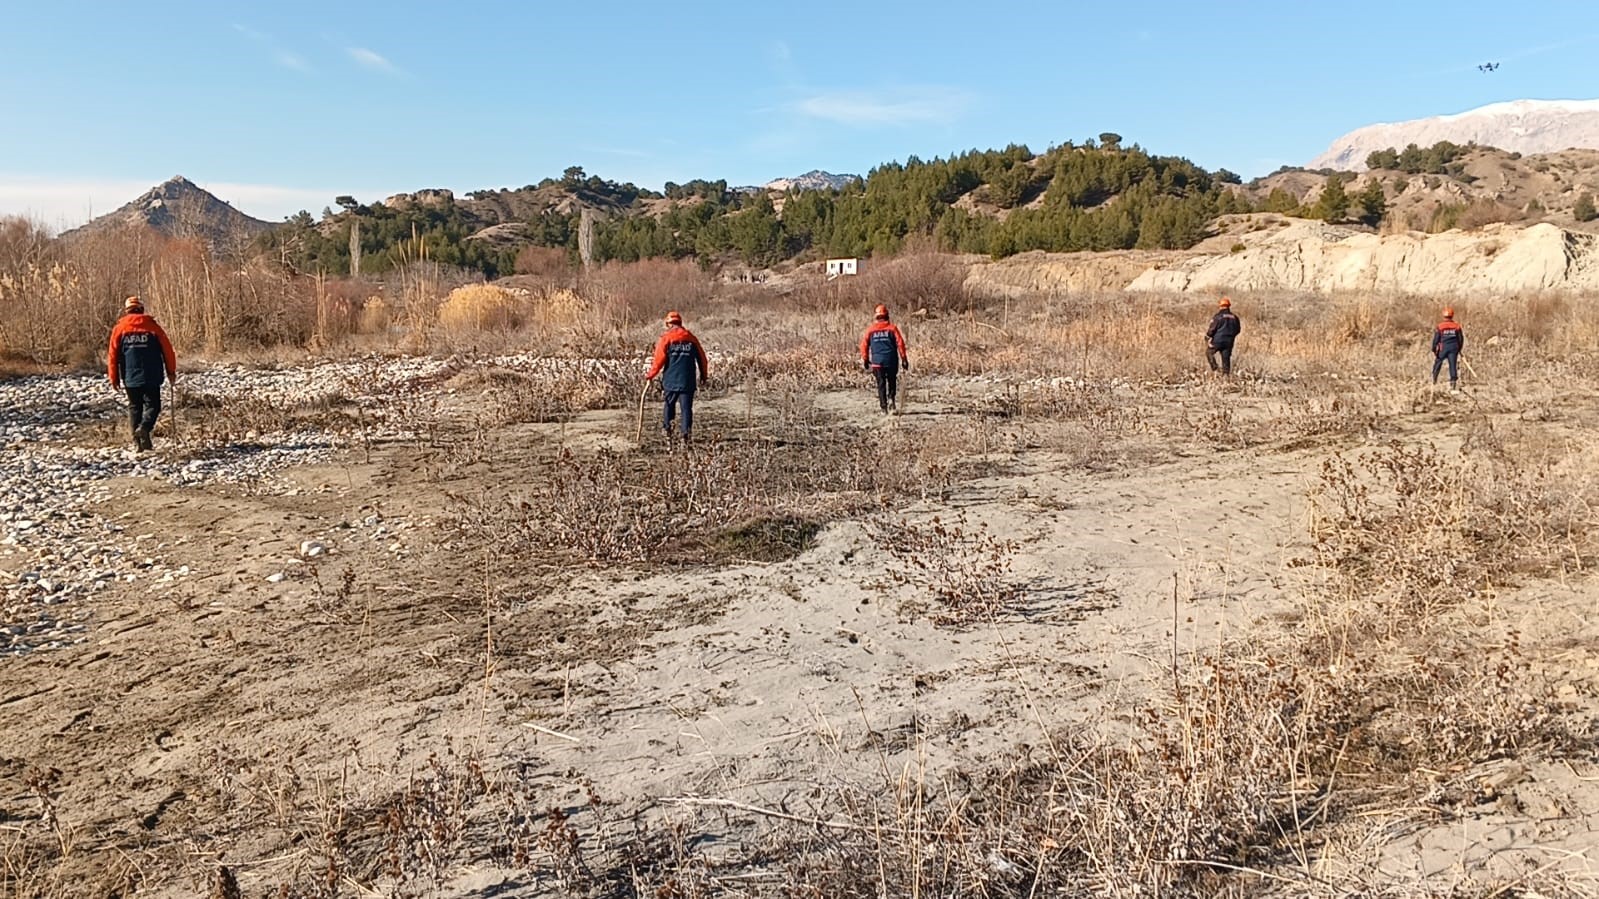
<point x="277" y="107"/>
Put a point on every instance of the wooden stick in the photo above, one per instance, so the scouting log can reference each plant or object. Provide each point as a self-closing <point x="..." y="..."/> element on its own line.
<point x="768" y="812"/>
<point x="553" y="733"/>
<point x="641" y="394"/>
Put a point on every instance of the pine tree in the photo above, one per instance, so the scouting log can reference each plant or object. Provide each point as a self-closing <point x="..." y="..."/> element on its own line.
<point x="1333" y="204"/>
<point x="1373" y="203"/>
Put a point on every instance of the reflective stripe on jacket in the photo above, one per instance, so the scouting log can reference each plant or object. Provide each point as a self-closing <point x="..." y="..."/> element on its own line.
<point x="140" y="355"/>
<point x="679" y="354"/>
<point x="1448" y="337"/>
<point x="882" y="345"/>
<point x="1223" y="330"/>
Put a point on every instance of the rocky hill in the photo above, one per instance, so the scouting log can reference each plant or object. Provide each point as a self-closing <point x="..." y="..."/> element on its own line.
<point x="180" y="208"/>
<point x="812" y="180"/>
<point x="1264" y="252"/>
<point x="1524" y="126"/>
<point x="1482" y="186"/>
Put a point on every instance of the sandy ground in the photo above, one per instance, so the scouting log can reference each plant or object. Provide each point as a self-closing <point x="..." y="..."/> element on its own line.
<point x="752" y="682"/>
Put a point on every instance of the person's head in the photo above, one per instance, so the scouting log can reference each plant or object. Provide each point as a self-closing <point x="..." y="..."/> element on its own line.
<point x="1449" y="313"/>
<point x="1225" y="303"/>
<point x="674" y="319"/>
<point x="132" y="305"/>
<point x="880" y="313"/>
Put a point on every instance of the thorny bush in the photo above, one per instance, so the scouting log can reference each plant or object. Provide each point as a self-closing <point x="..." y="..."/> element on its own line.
<point x="965" y="568"/>
<point x="1426" y="529"/>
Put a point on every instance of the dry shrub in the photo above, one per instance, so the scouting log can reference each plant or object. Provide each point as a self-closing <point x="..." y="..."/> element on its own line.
<point x="965" y="568"/>
<point x="559" y="307"/>
<point x="1423" y="530"/>
<point x="624" y="294"/>
<point x="788" y="368"/>
<point x="610" y="507"/>
<point x="569" y="387"/>
<point x="416" y="290"/>
<point x="548" y="265"/>
<point x="480" y="307"/>
<point x="1479" y="213"/>
<point x="915" y="281"/>
<point x="377" y="316"/>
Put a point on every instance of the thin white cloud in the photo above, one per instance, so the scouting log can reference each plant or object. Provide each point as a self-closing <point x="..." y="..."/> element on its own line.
<point x="923" y="105"/>
<point x="372" y="59"/>
<point x="284" y="57"/>
<point x="292" y="61"/>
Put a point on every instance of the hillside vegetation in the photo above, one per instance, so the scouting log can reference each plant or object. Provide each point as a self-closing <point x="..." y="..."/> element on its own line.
<point x="1098" y="195"/>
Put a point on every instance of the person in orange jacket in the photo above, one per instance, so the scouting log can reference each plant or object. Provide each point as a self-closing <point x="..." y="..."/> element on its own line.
<point x="1447" y="341"/>
<point x="140" y="359"/>
<point x="678" y="358"/>
<point x="883" y="354"/>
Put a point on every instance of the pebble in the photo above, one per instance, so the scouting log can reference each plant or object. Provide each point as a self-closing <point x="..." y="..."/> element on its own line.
<point x="48" y="485"/>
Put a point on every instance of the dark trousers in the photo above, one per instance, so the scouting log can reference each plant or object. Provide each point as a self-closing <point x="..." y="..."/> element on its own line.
<point x="678" y="400"/>
<point x="887" y="386"/>
<point x="1226" y="354"/>
<point x="144" y="406"/>
<point x="1438" y="362"/>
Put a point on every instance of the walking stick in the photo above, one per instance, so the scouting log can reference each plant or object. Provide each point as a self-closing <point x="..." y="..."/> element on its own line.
<point x="641" y="395"/>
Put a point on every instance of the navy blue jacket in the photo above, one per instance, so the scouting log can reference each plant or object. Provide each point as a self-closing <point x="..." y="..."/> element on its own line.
<point x="679" y="354"/>
<point x="1224" y="328"/>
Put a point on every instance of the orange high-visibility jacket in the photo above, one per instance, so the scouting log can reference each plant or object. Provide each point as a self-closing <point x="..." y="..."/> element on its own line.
<point x="140" y="353"/>
<point x="679" y="353"/>
<point x="883" y="345"/>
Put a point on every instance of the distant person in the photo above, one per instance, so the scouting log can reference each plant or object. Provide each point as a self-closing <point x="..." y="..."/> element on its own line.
<point x="678" y="354"/>
<point x="1219" y="337"/>
<point x="140" y="360"/>
<point x="883" y="354"/>
<point x="1447" y="341"/>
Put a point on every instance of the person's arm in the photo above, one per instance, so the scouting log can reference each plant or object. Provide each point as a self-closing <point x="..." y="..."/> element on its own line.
<point x="659" y="361"/>
<point x="899" y="340"/>
<point x="111" y="357"/>
<point x="167" y="354"/>
<point x="1215" y="322"/>
<point x="702" y="360"/>
<point x="1462" y="333"/>
<point x="1437" y="340"/>
<point x="1238" y="326"/>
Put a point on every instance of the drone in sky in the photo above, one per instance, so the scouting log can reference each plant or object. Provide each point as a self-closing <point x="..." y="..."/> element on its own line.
<point x="1488" y="67"/>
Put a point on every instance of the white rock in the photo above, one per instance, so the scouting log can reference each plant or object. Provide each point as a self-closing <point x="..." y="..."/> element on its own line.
<point x="275" y="578"/>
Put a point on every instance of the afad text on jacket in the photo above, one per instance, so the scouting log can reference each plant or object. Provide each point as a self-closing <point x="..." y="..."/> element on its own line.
<point x="882" y="346"/>
<point x="679" y="355"/>
<point x="140" y="355"/>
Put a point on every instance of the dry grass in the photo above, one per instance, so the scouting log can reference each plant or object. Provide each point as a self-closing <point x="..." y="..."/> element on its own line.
<point x="1241" y="774"/>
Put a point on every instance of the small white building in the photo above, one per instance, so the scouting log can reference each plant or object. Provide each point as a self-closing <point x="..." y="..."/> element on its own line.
<point x="836" y="267"/>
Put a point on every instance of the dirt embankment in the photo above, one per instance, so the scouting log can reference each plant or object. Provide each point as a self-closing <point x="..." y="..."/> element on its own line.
<point x="1277" y="253"/>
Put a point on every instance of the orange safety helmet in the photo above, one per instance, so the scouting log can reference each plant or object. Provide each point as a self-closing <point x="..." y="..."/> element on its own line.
<point x="1449" y="312"/>
<point x="881" y="312"/>
<point x="674" y="318"/>
<point x="132" y="303"/>
<point x="1225" y="303"/>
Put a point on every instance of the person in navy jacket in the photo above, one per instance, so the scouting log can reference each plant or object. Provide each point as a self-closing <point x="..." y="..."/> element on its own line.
<point x="883" y="354"/>
<point x="682" y="367"/>
<point x="1447" y="342"/>
<point x="139" y="360"/>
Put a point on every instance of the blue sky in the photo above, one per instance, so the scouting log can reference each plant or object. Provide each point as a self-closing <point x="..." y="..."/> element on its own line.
<point x="281" y="106"/>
